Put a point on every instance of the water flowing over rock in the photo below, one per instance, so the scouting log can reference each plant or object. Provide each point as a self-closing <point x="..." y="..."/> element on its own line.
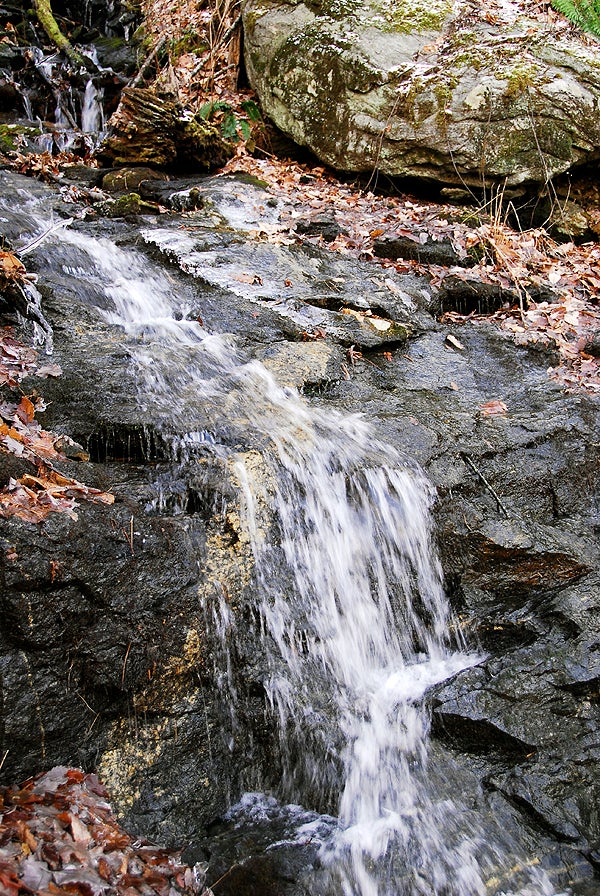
<point x="444" y="91"/>
<point x="263" y="607"/>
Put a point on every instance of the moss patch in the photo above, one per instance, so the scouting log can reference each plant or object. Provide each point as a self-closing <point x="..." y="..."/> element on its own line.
<point x="519" y="79"/>
<point x="11" y="136"/>
<point x="129" y="204"/>
<point x="413" y="16"/>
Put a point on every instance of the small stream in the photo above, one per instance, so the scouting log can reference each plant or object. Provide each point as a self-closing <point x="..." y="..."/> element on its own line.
<point x="353" y="619"/>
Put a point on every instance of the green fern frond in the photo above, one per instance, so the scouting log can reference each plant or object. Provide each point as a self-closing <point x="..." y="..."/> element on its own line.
<point x="583" y="13"/>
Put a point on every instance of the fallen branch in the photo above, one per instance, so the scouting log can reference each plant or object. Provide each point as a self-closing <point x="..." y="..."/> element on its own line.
<point x="151" y="55"/>
<point x="46" y="19"/>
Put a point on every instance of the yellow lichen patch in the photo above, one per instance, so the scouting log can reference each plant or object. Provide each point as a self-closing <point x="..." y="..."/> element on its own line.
<point x="120" y="765"/>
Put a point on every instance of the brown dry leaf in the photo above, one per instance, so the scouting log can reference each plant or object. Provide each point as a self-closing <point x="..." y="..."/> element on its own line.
<point x="47" y="370"/>
<point x="253" y="279"/>
<point x="26" y="410"/>
<point x="494" y="408"/>
<point x="31" y="506"/>
<point x="58" y="486"/>
<point x="11" y="268"/>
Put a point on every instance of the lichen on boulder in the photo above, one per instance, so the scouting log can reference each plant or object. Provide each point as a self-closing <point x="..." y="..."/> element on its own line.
<point x="434" y="90"/>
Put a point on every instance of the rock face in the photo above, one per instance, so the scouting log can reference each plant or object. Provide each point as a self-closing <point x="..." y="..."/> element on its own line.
<point x="438" y="90"/>
<point x="112" y="627"/>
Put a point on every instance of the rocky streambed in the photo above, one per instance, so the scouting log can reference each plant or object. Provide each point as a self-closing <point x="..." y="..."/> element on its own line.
<point x="131" y="643"/>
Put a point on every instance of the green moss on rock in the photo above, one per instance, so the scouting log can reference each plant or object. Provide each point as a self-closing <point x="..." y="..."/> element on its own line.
<point x="414" y="16"/>
<point x="12" y="135"/>
<point x="129" y="204"/>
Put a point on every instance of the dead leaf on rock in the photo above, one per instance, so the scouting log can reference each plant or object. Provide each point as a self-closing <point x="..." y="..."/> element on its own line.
<point x="48" y="370"/>
<point x="454" y="342"/>
<point x="11" y="268"/>
<point x="253" y="279"/>
<point x="25" y="410"/>
<point x="494" y="408"/>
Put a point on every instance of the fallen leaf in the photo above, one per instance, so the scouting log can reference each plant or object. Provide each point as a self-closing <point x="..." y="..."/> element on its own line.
<point x="253" y="279"/>
<point x="453" y="341"/>
<point x="494" y="408"/>
<point x="47" y="370"/>
<point x="10" y="267"/>
<point x="26" y="410"/>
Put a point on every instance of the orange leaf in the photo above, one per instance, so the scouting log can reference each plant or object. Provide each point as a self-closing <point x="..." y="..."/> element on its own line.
<point x="494" y="408"/>
<point x="10" y="267"/>
<point x="26" y="410"/>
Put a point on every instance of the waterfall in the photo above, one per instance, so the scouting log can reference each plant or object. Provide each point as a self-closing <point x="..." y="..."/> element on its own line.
<point x="355" y="624"/>
<point x="92" y="112"/>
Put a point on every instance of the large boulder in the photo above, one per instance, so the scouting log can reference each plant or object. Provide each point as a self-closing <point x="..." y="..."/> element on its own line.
<point x="438" y="90"/>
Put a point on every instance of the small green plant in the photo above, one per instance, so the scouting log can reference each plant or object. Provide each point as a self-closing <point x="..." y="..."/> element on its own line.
<point x="233" y="125"/>
<point x="584" y="13"/>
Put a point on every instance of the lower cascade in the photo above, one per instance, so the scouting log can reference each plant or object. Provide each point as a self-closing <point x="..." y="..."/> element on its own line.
<point x="353" y="617"/>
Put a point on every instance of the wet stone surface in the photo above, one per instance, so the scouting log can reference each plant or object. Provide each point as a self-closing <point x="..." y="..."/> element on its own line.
<point x="113" y="620"/>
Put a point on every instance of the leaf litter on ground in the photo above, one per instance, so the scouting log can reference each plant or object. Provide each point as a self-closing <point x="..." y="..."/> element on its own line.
<point x="58" y="836"/>
<point x="32" y="497"/>
<point x="518" y="262"/>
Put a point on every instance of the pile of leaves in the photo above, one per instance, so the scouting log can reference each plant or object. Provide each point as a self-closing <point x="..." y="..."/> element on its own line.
<point x="33" y="496"/>
<point x="58" y="836"/>
<point x="48" y="166"/>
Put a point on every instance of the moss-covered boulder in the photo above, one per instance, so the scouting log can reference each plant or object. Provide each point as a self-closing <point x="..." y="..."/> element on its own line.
<point x="427" y="88"/>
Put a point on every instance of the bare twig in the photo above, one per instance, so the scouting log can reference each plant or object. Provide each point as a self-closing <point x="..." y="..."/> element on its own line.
<point x="478" y="472"/>
<point x="125" y="664"/>
<point x="129" y="536"/>
<point x="223" y="876"/>
<point x="39" y="239"/>
<point x="153" y="54"/>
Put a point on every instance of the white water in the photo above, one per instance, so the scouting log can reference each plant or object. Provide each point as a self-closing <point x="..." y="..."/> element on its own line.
<point x="355" y="619"/>
<point x="92" y="111"/>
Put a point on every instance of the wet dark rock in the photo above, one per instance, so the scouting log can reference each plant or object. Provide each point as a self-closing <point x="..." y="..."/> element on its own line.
<point x="116" y="53"/>
<point x="478" y="735"/>
<point x="276" y="855"/>
<point x="125" y="180"/>
<point x="440" y="252"/>
<point x="592" y="346"/>
<point x="324" y="226"/>
<point x="124" y="669"/>
<point x="469" y="295"/>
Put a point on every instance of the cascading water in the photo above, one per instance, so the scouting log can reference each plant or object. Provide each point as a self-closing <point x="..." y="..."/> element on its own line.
<point x="92" y="112"/>
<point x="355" y="622"/>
